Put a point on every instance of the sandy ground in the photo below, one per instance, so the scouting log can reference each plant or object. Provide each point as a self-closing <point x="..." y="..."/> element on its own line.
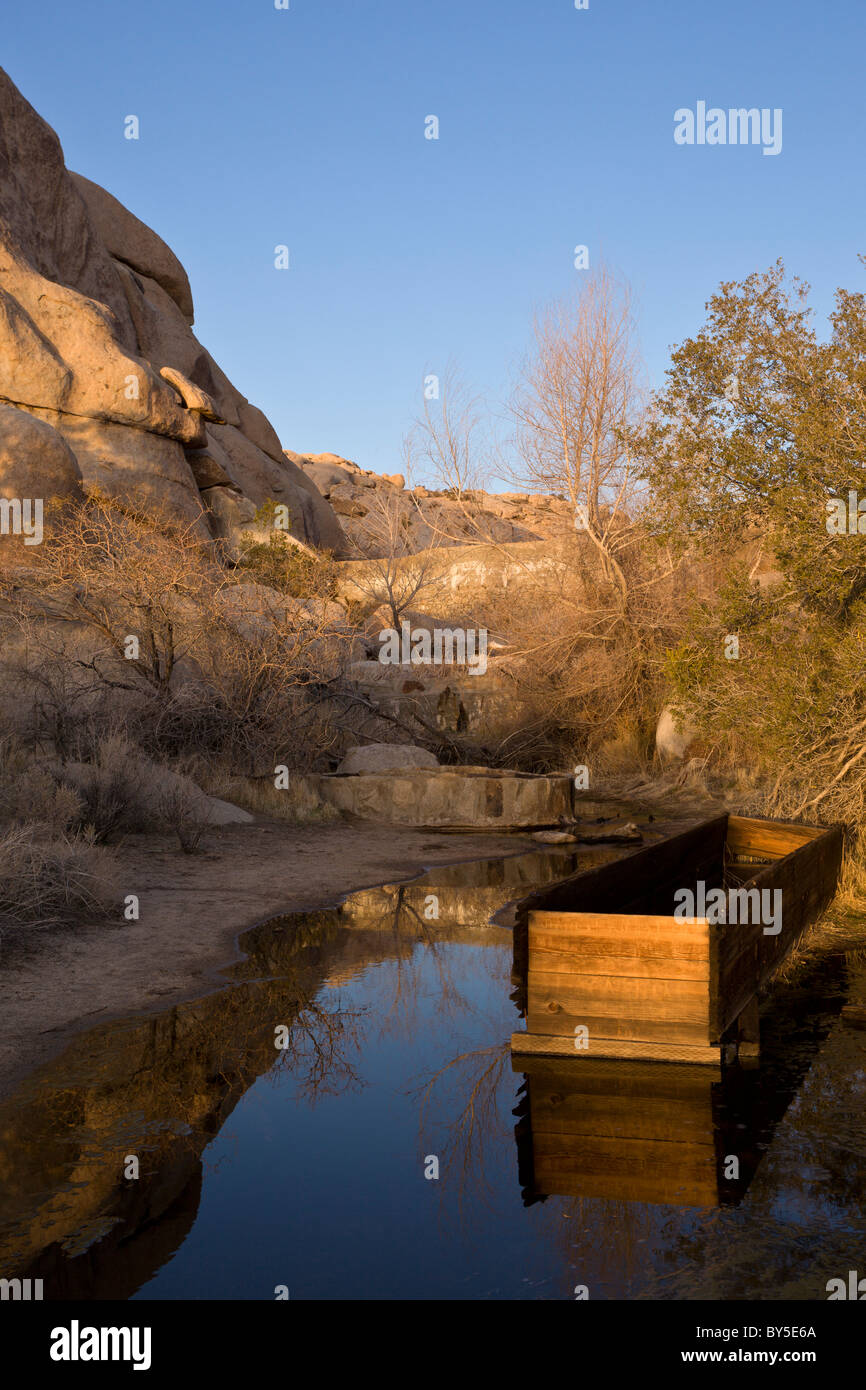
<point x="192" y="909"/>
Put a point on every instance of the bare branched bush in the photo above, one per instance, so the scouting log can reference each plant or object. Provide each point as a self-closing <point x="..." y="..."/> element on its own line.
<point x="111" y="790"/>
<point x="393" y="576"/>
<point x="451" y="441"/>
<point x="179" y="812"/>
<point x="125" y="620"/>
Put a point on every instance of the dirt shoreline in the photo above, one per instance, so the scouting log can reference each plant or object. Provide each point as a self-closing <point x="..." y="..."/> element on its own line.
<point x="193" y="909"/>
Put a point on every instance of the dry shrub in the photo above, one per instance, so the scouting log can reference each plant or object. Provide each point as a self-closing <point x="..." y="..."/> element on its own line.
<point x="49" y="875"/>
<point x="178" y="811"/>
<point x="245" y="681"/>
<point x="30" y="794"/>
<point x="112" y="790"/>
<point x="586" y="669"/>
<point x="49" y="881"/>
<point x="123" y="792"/>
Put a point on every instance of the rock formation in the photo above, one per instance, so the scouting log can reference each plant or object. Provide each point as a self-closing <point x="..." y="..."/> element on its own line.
<point x="102" y="380"/>
<point x="387" y="757"/>
<point x="363" y="501"/>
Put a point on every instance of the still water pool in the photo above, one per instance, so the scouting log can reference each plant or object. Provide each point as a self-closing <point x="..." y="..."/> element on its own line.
<point x="289" y="1129"/>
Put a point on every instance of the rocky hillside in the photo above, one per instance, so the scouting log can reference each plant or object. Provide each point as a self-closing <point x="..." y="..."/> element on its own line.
<point x="379" y="514"/>
<point x="102" y="380"/>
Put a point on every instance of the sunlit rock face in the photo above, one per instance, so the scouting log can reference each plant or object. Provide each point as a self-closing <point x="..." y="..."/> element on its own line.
<point x="374" y="507"/>
<point x="96" y="343"/>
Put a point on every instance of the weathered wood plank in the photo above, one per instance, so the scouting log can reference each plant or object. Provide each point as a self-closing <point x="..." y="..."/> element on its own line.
<point x="623" y="1157"/>
<point x="527" y="1044"/>
<point x="644" y="930"/>
<point x="747" y="835"/>
<point x="615" y="944"/>
<point x="616" y="964"/>
<point x="670" y="1189"/>
<point x="633" y="1169"/>
<point x="619" y="1026"/>
<point x="675" y="1001"/>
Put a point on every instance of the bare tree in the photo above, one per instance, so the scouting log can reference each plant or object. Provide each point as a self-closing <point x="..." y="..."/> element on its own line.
<point x="393" y="574"/>
<point x="579" y="392"/>
<point x="133" y="580"/>
<point x="589" y="672"/>
<point x="451" y="439"/>
<point x="123" y="619"/>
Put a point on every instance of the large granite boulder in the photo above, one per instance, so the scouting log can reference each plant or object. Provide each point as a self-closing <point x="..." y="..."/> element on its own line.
<point x="96" y="341"/>
<point x="35" y="460"/>
<point x="131" y="241"/>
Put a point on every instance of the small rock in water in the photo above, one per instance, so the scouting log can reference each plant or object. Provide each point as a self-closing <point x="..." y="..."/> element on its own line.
<point x="554" y="837"/>
<point x="617" y="834"/>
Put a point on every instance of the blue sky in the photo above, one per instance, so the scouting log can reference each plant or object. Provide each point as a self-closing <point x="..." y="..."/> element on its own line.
<point x="305" y="127"/>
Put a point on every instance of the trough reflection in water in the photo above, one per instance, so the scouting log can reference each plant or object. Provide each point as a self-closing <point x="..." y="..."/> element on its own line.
<point x="304" y="1164"/>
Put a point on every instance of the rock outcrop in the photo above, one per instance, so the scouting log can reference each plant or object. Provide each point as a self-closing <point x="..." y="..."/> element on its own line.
<point x="374" y="507"/>
<point x="97" y="352"/>
<point x="387" y="757"/>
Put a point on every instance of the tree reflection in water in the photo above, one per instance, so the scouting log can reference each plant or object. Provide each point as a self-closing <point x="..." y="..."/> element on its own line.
<point x="345" y="985"/>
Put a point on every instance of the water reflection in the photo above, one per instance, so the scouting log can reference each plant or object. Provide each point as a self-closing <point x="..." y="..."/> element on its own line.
<point x="303" y="1163"/>
<point x="654" y="1132"/>
<point x="160" y="1088"/>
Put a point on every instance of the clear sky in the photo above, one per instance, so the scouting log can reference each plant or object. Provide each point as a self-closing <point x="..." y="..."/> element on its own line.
<point x="305" y="127"/>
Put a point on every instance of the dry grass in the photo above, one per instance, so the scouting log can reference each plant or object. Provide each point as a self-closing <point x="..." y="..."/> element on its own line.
<point x="54" y="880"/>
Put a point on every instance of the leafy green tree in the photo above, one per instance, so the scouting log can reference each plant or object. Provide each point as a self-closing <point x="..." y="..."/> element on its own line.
<point x="753" y="448"/>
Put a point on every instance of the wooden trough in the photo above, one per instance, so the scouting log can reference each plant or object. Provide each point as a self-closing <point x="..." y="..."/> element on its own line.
<point x="607" y="970"/>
